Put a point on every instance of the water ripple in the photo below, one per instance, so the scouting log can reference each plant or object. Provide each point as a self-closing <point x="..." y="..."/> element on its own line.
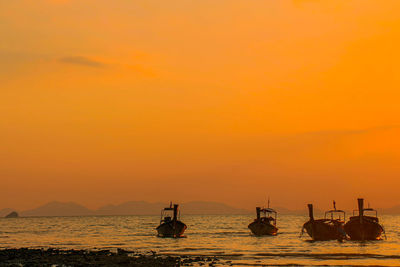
<point x="225" y="237"/>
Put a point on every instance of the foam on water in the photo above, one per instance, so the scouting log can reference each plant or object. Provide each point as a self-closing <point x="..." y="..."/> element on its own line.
<point x="226" y="237"/>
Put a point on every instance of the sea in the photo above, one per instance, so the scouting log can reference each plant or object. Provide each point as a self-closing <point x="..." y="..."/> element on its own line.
<point x="226" y="237"/>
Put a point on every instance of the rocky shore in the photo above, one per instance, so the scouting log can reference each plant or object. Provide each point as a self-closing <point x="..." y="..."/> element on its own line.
<point x="57" y="257"/>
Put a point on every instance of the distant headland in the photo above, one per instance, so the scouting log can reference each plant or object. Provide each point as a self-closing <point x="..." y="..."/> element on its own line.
<point x="57" y="208"/>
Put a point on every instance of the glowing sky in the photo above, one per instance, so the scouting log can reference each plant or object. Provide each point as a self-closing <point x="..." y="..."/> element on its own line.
<point x="230" y="100"/>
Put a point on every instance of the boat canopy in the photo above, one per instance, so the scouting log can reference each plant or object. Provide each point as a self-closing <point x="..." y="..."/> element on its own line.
<point x="268" y="214"/>
<point x="171" y="212"/>
<point x="333" y="212"/>
<point x="366" y="209"/>
<point x="268" y="210"/>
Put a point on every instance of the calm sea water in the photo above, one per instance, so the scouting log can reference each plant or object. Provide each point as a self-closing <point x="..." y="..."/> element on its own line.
<point x="224" y="236"/>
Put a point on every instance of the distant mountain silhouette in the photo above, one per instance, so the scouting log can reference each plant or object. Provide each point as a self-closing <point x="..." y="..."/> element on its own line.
<point x="392" y="210"/>
<point x="210" y="208"/>
<point x="132" y="208"/>
<point x="56" y="208"/>
<point x="282" y="210"/>
<point x="146" y="208"/>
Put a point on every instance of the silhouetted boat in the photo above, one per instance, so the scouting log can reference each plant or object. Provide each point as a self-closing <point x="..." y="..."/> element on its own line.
<point x="171" y="226"/>
<point x="264" y="224"/>
<point x="362" y="227"/>
<point x="327" y="228"/>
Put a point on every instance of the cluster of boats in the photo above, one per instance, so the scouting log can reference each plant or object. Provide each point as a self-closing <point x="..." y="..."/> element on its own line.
<point x="363" y="225"/>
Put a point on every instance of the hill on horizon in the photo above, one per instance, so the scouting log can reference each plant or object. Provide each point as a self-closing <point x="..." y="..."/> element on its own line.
<point x="57" y="208"/>
<point x="131" y="208"/>
<point x="210" y="208"/>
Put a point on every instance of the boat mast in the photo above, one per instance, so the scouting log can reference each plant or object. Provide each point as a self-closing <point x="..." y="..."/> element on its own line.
<point x="175" y="212"/>
<point x="361" y="208"/>
<point x="334" y="208"/>
<point x="311" y="214"/>
<point x="258" y="210"/>
<point x="361" y="214"/>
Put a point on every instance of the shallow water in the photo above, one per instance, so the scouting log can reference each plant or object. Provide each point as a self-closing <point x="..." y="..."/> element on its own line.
<point x="224" y="236"/>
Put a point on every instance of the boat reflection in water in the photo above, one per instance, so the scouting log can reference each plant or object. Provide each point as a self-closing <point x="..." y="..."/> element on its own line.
<point x="329" y="228"/>
<point x="264" y="224"/>
<point x="170" y="225"/>
<point x="363" y="227"/>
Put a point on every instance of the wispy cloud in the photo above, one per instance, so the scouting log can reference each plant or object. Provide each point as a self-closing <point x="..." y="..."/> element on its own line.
<point x="83" y="61"/>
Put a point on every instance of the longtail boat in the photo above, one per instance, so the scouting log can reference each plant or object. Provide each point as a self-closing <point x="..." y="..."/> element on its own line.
<point x="363" y="227"/>
<point x="329" y="228"/>
<point x="265" y="222"/>
<point x="171" y="226"/>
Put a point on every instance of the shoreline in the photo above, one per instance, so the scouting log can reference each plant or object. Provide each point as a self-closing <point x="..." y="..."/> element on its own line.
<point x="72" y="257"/>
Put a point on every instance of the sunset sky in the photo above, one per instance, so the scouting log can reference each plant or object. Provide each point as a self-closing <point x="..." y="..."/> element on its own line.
<point x="231" y="100"/>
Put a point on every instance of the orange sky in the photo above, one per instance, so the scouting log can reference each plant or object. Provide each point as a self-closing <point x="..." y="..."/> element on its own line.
<point x="232" y="100"/>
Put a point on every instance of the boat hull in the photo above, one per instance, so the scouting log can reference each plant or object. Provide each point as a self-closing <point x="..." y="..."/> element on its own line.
<point x="171" y="229"/>
<point x="323" y="229"/>
<point x="262" y="228"/>
<point x="365" y="229"/>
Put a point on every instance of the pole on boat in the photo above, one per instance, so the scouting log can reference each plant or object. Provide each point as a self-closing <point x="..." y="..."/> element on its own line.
<point x="258" y="210"/>
<point x="361" y="214"/>
<point x="311" y="214"/>
<point x="311" y="211"/>
<point x="175" y="212"/>
<point x="175" y="218"/>
<point x="361" y="208"/>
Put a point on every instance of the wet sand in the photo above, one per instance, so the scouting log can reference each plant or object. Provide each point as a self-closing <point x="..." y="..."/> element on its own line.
<point x="56" y="257"/>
